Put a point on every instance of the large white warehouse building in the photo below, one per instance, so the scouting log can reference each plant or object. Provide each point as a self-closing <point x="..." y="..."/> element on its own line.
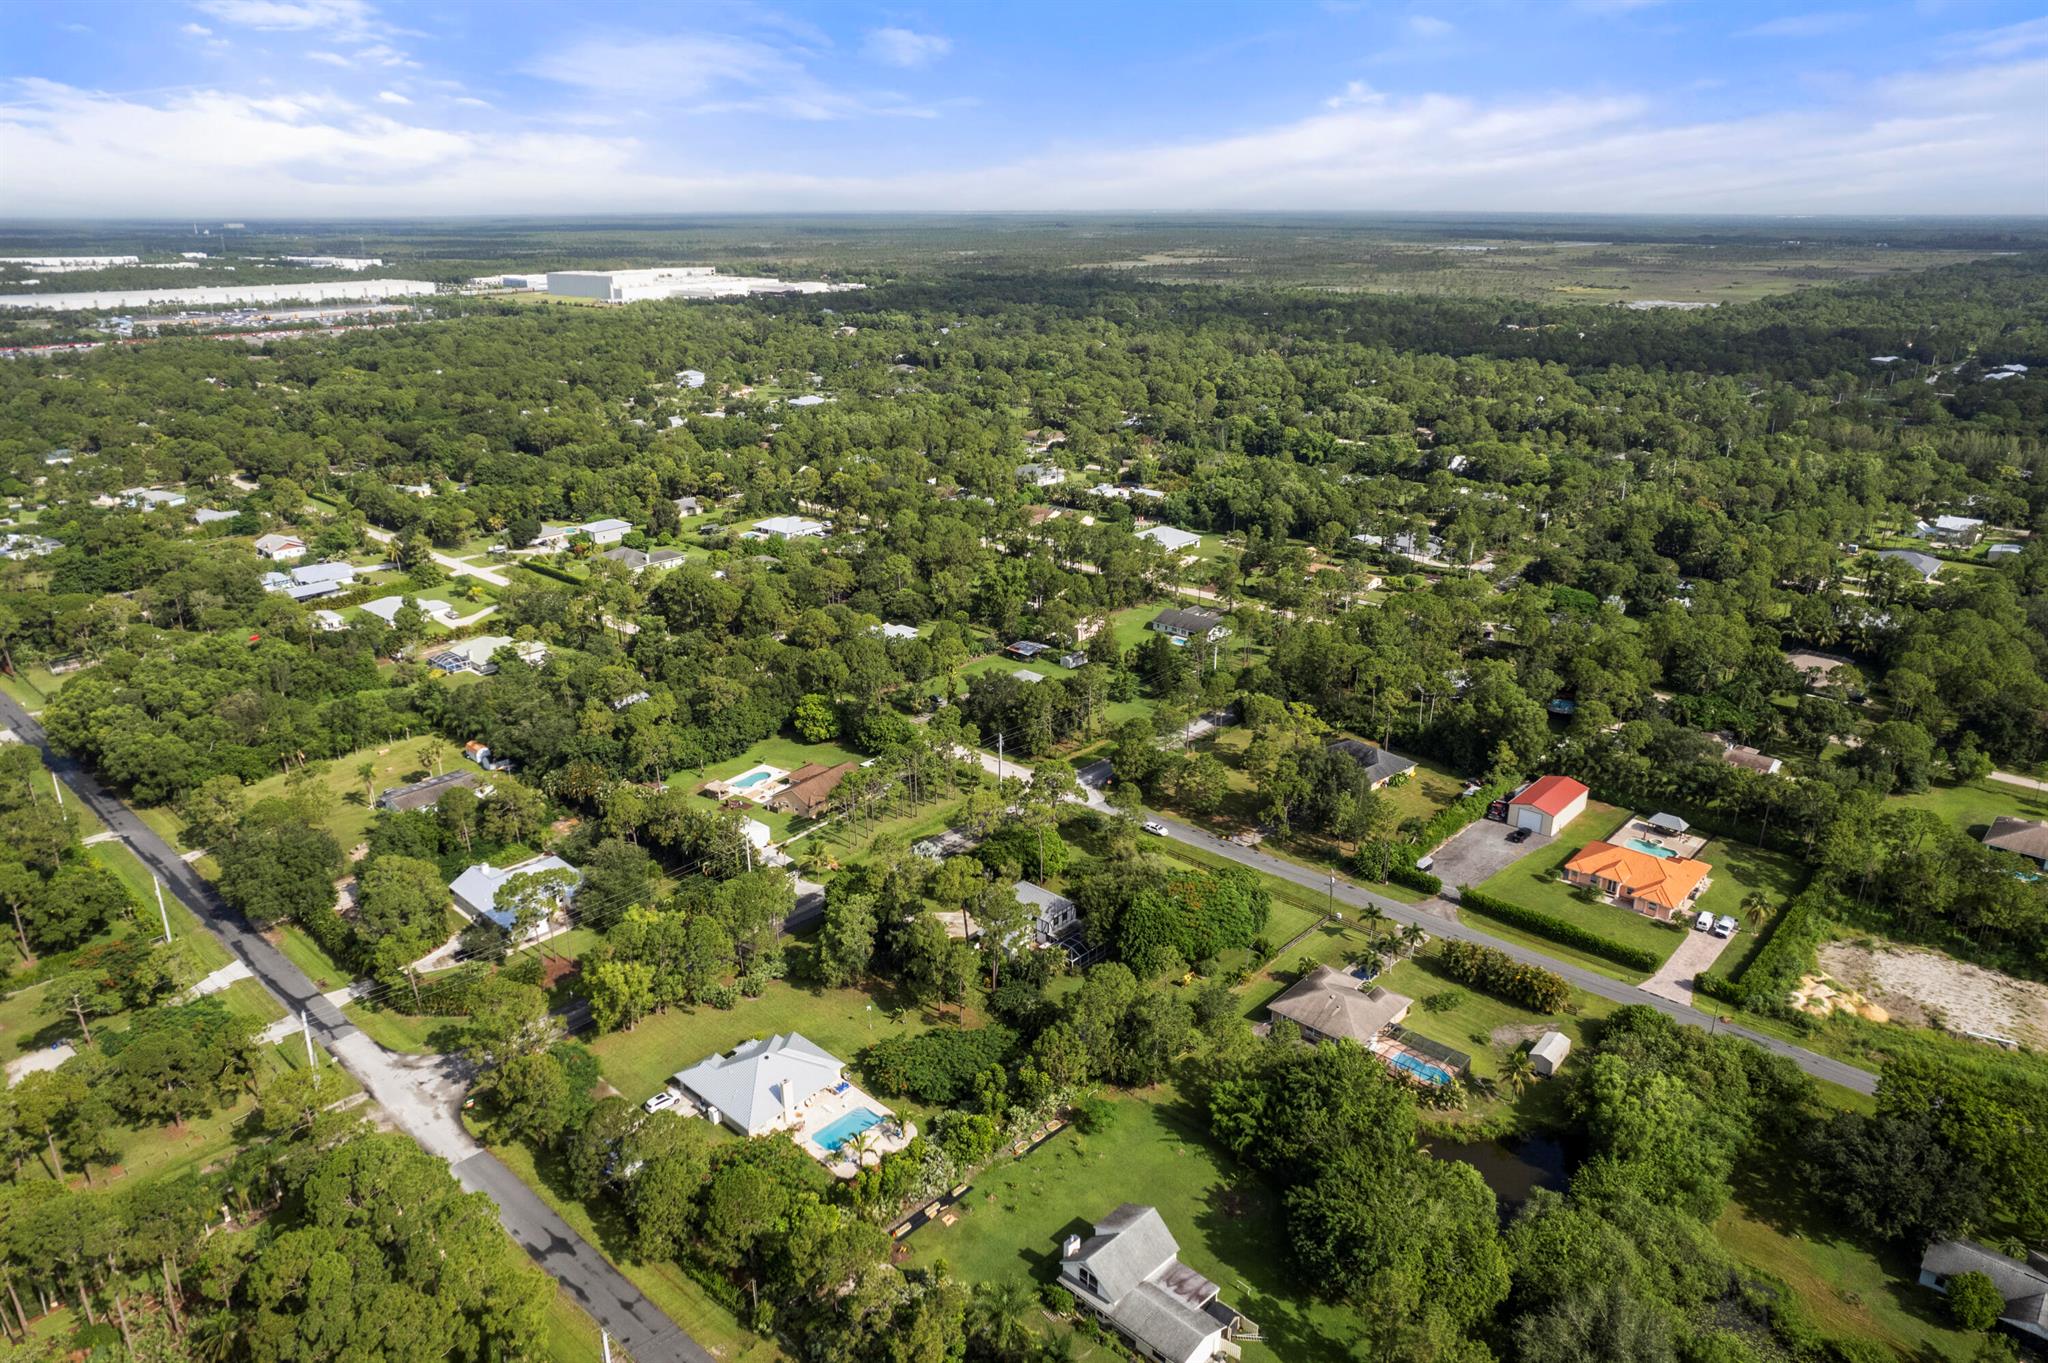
<point x="673" y="281"/>
<point x="219" y="295"/>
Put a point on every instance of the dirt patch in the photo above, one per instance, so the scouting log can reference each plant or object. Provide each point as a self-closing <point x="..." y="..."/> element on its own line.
<point x="1514" y="1034"/>
<point x="1930" y="989"/>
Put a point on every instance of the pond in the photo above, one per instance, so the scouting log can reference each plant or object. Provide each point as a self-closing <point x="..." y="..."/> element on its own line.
<point x="1513" y="1168"/>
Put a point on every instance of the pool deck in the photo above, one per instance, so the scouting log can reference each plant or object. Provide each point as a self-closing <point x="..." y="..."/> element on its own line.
<point x="771" y="781"/>
<point x="1638" y="830"/>
<point x="1389" y="1050"/>
<point x="828" y="1107"/>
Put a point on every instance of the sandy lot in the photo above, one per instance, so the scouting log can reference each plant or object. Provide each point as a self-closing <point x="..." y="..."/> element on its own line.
<point x="1925" y="987"/>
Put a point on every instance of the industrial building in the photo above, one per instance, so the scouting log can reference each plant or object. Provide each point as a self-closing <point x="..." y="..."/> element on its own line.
<point x="673" y="281"/>
<point x="356" y="264"/>
<point x="221" y="294"/>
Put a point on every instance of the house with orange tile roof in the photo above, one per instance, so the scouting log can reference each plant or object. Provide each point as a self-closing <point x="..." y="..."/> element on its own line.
<point x="1661" y="887"/>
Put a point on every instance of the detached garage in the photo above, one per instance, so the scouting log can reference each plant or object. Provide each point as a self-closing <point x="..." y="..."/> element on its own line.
<point x="1545" y="806"/>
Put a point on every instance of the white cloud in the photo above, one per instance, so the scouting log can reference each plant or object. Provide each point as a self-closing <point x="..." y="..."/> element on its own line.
<point x="196" y="31"/>
<point x="1818" y="25"/>
<point x="906" y="47"/>
<point x="391" y="97"/>
<point x="296" y="16"/>
<point x="1428" y="27"/>
<point x="473" y="102"/>
<point x="711" y="73"/>
<point x="1354" y="94"/>
<point x="330" y="59"/>
<point x="2009" y="41"/>
<point x="1964" y="138"/>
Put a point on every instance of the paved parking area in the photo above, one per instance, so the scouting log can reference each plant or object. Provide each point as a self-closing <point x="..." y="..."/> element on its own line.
<point x="1674" y="978"/>
<point x="1479" y="850"/>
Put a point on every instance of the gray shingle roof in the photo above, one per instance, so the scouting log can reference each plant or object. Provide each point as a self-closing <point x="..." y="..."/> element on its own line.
<point x="2023" y="1285"/>
<point x="2027" y="837"/>
<point x="1379" y="763"/>
<point x="1330" y="1002"/>
<point x="1152" y="1296"/>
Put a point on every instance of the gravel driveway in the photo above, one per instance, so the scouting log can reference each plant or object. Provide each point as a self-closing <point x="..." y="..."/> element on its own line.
<point x="1479" y="850"/>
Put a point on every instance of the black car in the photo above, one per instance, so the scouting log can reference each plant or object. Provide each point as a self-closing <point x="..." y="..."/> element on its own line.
<point x="1519" y="835"/>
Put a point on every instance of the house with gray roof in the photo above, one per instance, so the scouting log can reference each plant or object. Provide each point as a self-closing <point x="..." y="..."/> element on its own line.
<point x="1054" y="915"/>
<point x="426" y="794"/>
<point x="2022" y="837"/>
<point x="1128" y="1274"/>
<point x="476" y="889"/>
<point x="1333" y="1005"/>
<point x="1379" y="764"/>
<point x="760" y="1086"/>
<point x="1927" y="565"/>
<point x="311" y="580"/>
<point x="1184" y="623"/>
<point x="2023" y="1284"/>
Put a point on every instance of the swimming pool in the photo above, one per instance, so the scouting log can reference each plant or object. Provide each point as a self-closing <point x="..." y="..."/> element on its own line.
<point x="846" y="1128"/>
<point x="748" y="780"/>
<point x="1421" y="1069"/>
<point x="1654" y="849"/>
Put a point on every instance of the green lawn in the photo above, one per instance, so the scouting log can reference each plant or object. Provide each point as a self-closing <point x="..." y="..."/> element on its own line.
<point x="782" y="751"/>
<point x="1133" y="626"/>
<point x="1534" y="883"/>
<point x="570" y="1335"/>
<point x="843" y="1021"/>
<point x="32" y="688"/>
<point x="205" y="949"/>
<point x="394" y="1031"/>
<point x="344" y="798"/>
<point x="305" y="953"/>
<point x="1155" y="1150"/>
<point x="1848" y="1290"/>
<point x="1972" y="806"/>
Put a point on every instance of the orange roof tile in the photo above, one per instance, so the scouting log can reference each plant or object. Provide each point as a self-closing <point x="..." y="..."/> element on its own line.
<point x="1664" y="881"/>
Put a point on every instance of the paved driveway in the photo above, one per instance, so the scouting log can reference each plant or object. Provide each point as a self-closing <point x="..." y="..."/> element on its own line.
<point x="1674" y="978"/>
<point x="1479" y="850"/>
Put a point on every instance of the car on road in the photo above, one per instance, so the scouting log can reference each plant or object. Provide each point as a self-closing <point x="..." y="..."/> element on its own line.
<point x="1705" y="922"/>
<point x="1520" y="835"/>
<point x="1156" y="827"/>
<point x="663" y="1101"/>
<point x="1724" y="926"/>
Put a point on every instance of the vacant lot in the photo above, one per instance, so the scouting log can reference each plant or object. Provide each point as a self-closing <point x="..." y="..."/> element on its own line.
<point x="1926" y="988"/>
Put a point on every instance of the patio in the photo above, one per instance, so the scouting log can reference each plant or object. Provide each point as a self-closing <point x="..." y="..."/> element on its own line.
<point x="842" y="1102"/>
<point x="1642" y="835"/>
<point x="757" y="784"/>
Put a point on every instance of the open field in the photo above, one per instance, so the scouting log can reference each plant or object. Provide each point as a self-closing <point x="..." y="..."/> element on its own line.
<point x="1154" y="1150"/>
<point x="1918" y="987"/>
<point x="1973" y="805"/>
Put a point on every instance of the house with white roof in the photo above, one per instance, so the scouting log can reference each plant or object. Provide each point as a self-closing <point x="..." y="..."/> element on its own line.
<point x="279" y="548"/>
<point x="1128" y="1275"/>
<point x="476" y="890"/>
<point x="1169" y="538"/>
<point x="1054" y="915"/>
<point x="17" y="546"/>
<point x="386" y="608"/>
<point x="329" y="622"/>
<point x="207" y="515"/>
<point x="889" y="631"/>
<point x="476" y="655"/>
<point x="607" y="531"/>
<point x="1041" y="475"/>
<point x="762" y="1085"/>
<point x="147" y="498"/>
<point x="311" y="580"/>
<point x="791" y="527"/>
<point x="1956" y="529"/>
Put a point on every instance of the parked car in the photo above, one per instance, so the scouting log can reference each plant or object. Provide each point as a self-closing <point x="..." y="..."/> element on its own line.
<point x="663" y="1101"/>
<point x="1705" y="921"/>
<point x="1156" y="827"/>
<point x="1724" y="926"/>
<point x="1520" y="835"/>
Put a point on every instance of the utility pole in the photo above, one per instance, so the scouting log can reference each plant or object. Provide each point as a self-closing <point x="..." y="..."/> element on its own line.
<point x="607" y="1338"/>
<point x="999" y="758"/>
<point x="58" y="787"/>
<point x="312" y="1061"/>
<point x="162" y="912"/>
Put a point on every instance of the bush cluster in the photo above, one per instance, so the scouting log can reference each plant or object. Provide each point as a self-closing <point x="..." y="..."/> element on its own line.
<point x="1503" y="976"/>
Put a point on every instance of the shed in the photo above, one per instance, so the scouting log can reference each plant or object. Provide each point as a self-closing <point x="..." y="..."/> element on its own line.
<point x="1548" y="804"/>
<point x="1546" y="1057"/>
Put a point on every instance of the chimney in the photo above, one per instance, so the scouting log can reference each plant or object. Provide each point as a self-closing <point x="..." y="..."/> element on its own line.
<point x="788" y="1108"/>
<point x="1070" y="1247"/>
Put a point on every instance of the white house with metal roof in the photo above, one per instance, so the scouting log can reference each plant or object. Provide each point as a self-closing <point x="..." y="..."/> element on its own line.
<point x="761" y="1085"/>
<point x="476" y="889"/>
<point x="1129" y="1275"/>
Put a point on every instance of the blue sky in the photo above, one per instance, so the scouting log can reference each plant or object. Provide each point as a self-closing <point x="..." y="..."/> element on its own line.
<point x="224" y="108"/>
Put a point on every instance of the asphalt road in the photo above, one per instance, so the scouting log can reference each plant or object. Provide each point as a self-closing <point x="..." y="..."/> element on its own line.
<point x="420" y="1094"/>
<point x="1819" y="1066"/>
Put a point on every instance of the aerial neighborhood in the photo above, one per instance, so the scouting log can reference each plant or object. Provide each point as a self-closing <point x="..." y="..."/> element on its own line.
<point x="993" y="792"/>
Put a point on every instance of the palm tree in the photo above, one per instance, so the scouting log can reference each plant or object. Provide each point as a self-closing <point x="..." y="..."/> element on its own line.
<point x="368" y="771"/>
<point x="859" y="1146"/>
<point x="1412" y="937"/>
<point x="999" y="1314"/>
<point x="1516" y="1071"/>
<point x="1756" y="908"/>
<point x="432" y="752"/>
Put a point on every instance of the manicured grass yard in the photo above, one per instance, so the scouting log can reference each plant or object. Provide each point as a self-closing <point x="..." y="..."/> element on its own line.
<point x="1156" y="1151"/>
<point x="1972" y="806"/>
<point x="843" y="1021"/>
<point x="204" y="949"/>
<point x="1535" y="883"/>
<point x="782" y="751"/>
<point x="305" y="953"/>
<point x="345" y="817"/>
<point x="405" y="1032"/>
<point x="1470" y="1024"/>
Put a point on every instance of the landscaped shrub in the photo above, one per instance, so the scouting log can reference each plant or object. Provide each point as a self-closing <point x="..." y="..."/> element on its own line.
<point x="1405" y="874"/>
<point x="1974" y="1302"/>
<point x="937" y="1067"/>
<point x="1388" y="860"/>
<point x="1558" y="930"/>
<point x="1788" y="955"/>
<point x="1503" y="976"/>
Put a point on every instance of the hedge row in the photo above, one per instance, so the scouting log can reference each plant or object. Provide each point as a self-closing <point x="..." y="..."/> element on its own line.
<point x="1499" y="974"/>
<point x="1559" y="931"/>
<point x="1405" y="874"/>
<point x="1790" y="953"/>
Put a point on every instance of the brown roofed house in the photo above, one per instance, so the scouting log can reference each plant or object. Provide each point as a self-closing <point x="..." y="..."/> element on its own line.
<point x="810" y="789"/>
<point x="1328" y="1005"/>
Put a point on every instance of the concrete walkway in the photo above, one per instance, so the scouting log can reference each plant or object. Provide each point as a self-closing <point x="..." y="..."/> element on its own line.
<point x="457" y="567"/>
<point x="220" y="979"/>
<point x="1674" y="979"/>
<point x="2015" y="779"/>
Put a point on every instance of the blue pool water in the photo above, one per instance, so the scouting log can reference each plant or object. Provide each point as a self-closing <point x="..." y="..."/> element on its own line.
<point x="751" y="779"/>
<point x="1645" y="845"/>
<point x="846" y="1128"/>
<point x="1422" y="1069"/>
